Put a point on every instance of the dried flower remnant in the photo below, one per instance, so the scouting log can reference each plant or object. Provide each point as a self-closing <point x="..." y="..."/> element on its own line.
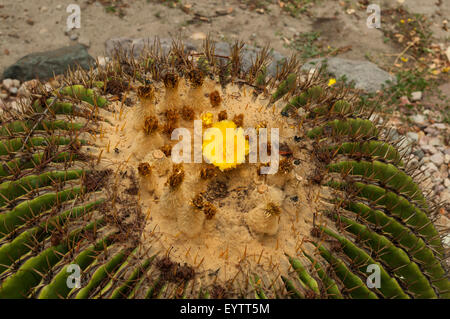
<point x="215" y="99"/>
<point x="171" y="80"/>
<point x="187" y="113"/>
<point x="144" y="169"/>
<point x="176" y="177"/>
<point x="150" y="124"/>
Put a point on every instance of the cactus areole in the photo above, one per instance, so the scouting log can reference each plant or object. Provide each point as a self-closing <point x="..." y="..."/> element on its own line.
<point x="109" y="172"/>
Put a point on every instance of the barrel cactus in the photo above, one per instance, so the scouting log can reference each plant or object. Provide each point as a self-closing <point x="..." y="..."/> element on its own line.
<point x="93" y="206"/>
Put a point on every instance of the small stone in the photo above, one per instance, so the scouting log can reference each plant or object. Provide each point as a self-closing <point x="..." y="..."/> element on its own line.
<point x="102" y="60"/>
<point x="416" y="96"/>
<point x="198" y="36"/>
<point x="429" y="167"/>
<point x="13" y="90"/>
<point x="262" y="188"/>
<point x="446" y="241"/>
<point x="16" y="83"/>
<point x="435" y="141"/>
<point x="404" y="101"/>
<point x="413" y="136"/>
<point x="23" y="91"/>
<point x="431" y="131"/>
<point x="8" y="83"/>
<point x="429" y="149"/>
<point x="447" y="158"/>
<point x="158" y="154"/>
<point x="445" y="196"/>
<point x="73" y="37"/>
<point x="419" y="153"/>
<point x="439" y="126"/>
<point x="447" y="183"/>
<point x="437" y="159"/>
<point x="43" y="31"/>
<point x="418" y="119"/>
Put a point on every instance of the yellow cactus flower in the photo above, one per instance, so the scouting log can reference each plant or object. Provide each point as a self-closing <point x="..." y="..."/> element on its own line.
<point x="331" y="82"/>
<point x="207" y="119"/>
<point x="215" y="144"/>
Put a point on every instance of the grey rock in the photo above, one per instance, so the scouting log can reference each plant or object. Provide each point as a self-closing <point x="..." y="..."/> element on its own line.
<point x="43" y="65"/>
<point x="394" y="135"/>
<point x="137" y="45"/>
<point x="366" y="75"/>
<point x="437" y="159"/>
<point x="419" y="153"/>
<point x="13" y="90"/>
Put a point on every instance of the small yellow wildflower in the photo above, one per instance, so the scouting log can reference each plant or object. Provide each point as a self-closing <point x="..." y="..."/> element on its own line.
<point x="446" y="69"/>
<point x="404" y="59"/>
<point x="331" y="82"/>
<point x="402" y="21"/>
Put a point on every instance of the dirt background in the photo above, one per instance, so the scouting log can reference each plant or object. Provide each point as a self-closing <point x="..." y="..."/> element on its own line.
<point x="31" y="26"/>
